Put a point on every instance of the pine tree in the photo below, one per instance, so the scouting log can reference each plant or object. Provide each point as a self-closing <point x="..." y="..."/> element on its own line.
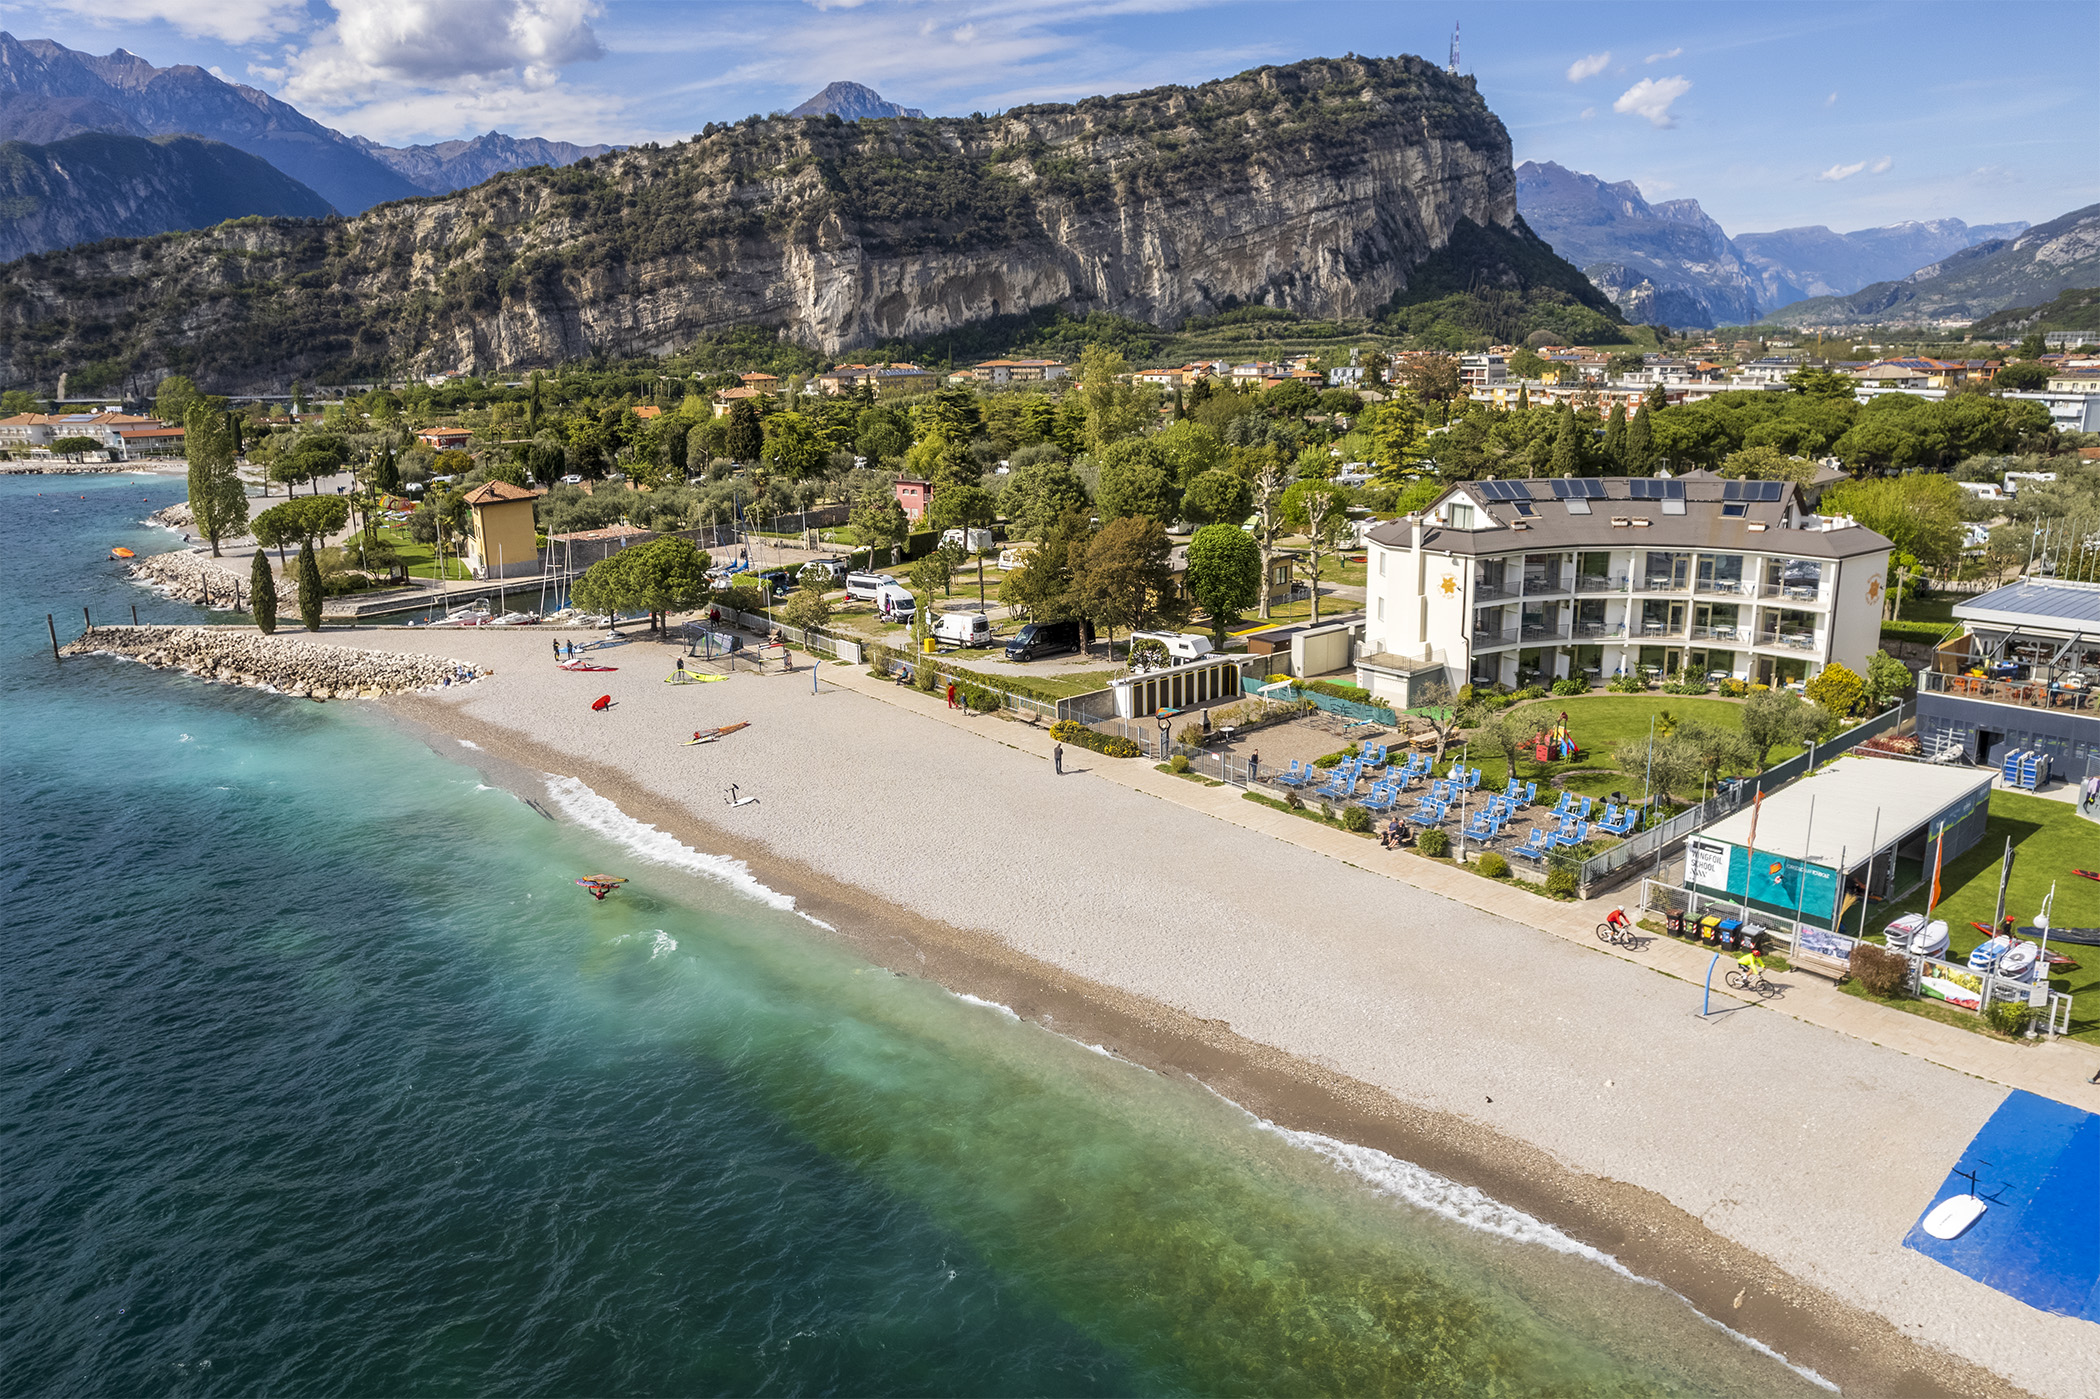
<point x="262" y="583"/>
<point x="1640" y="444"/>
<point x="1523" y="398"/>
<point x="309" y="587"/>
<point x="1615" y="438"/>
<point x="1657" y="399"/>
<point x="1567" y="451"/>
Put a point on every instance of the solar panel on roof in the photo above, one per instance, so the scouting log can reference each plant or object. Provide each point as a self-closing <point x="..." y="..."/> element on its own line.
<point x="1773" y="490"/>
<point x="1732" y="491"/>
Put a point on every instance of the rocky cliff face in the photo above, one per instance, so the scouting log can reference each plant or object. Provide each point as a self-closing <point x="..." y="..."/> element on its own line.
<point x="1316" y="187"/>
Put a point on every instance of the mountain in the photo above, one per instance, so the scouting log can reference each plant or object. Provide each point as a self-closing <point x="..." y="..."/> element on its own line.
<point x="451" y="165"/>
<point x="105" y="184"/>
<point x="50" y="91"/>
<point x="1319" y="187"/>
<point x="1795" y="263"/>
<point x="1664" y="264"/>
<point x="852" y="102"/>
<point x="2023" y="270"/>
<point x="2076" y="309"/>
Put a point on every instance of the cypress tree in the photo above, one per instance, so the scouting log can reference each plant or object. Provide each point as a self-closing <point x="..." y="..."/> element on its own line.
<point x="1523" y="398"/>
<point x="309" y="587"/>
<point x="1657" y="399"/>
<point x="1567" y="452"/>
<point x="1615" y="438"/>
<point x="1640" y="444"/>
<point x="386" y="476"/>
<point x="262" y="583"/>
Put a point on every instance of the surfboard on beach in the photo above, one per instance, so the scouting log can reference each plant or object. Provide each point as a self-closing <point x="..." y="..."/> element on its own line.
<point x="721" y="731"/>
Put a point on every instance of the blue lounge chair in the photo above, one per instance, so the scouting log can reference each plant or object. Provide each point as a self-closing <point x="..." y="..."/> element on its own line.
<point x="1576" y="836"/>
<point x="1534" y="846"/>
<point x="1298" y="775"/>
<point x="1513" y="790"/>
<point x="1531" y="793"/>
<point x="1582" y="810"/>
<point x="1483" y="826"/>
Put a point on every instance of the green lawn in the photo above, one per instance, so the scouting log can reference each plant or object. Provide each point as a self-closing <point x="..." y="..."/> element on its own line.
<point x="2049" y="841"/>
<point x="422" y="558"/>
<point x="1600" y="723"/>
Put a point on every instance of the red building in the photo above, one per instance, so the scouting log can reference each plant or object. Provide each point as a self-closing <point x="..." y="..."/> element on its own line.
<point x="914" y="496"/>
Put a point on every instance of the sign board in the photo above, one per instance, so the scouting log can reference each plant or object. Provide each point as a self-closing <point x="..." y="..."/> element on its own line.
<point x="1777" y="881"/>
<point x="1948" y="820"/>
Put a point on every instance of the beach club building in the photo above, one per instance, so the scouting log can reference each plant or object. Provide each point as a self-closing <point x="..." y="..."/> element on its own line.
<point x="1807" y="850"/>
<point x="1528" y="582"/>
<point x="2021" y="678"/>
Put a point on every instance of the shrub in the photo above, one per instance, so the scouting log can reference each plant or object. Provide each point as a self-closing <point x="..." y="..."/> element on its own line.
<point x="1561" y="882"/>
<point x="1328" y="760"/>
<point x="923" y="676"/>
<point x="1326" y="811"/>
<point x="1625" y="685"/>
<point x="1357" y="819"/>
<point x="1434" y="843"/>
<point x="1178" y="763"/>
<point x="1879" y="971"/>
<point x="1354" y="693"/>
<point x="1191" y="736"/>
<point x="1109" y="745"/>
<point x="1493" y="865"/>
<point x="1293" y="801"/>
<point x="1528" y="692"/>
<point x="1571" y="686"/>
<point x="2009" y="1017"/>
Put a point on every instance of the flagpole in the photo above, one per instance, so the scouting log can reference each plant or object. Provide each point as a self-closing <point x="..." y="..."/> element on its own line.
<point x="1866" y="890"/>
<point x="2004" y="876"/>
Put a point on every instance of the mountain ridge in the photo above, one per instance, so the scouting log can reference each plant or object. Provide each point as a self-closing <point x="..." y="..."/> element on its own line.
<point x="446" y="166"/>
<point x="1159" y="205"/>
<point x="853" y="102"/>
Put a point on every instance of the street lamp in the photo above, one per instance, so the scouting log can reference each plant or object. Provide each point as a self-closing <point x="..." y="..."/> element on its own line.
<point x="1164" y="720"/>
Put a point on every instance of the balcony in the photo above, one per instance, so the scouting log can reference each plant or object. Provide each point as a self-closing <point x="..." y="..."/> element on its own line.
<point x="1544" y="631"/>
<point x="1599" y="631"/>
<point x="1663" y="583"/>
<point x="1737" y="634"/>
<point x="1725" y="587"/>
<point x="1545" y="586"/>
<point x="1811" y="593"/>
<point x="2068" y="692"/>
<point x="1494" y="636"/>
<point x="1485" y="591"/>
<point x="1791" y="640"/>
<point x="1589" y="583"/>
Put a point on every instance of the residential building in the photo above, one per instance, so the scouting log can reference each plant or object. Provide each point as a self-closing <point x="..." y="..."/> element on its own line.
<point x="2070" y="339"/>
<point x="25" y="431"/>
<point x="134" y="443"/>
<point x="1528" y="582"/>
<point x="758" y="379"/>
<point x="1260" y="370"/>
<point x="445" y="439"/>
<point x="914" y="496"/>
<point x="2022" y="677"/>
<point x="1772" y="369"/>
<point x="2075" y="381"/>
<point x="1018" y="371"/>
<point x="1478" y="372"/>
<point x="502" y="542"/>
<point x="1166" y="379"/>
<point x="882" y="378"/>
<point x="1345" y="376"/>
<point x="728" y="398"/>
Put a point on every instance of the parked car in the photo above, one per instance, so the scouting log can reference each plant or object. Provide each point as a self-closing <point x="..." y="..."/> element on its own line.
<point x="779" y="580"/>
<point x="1039" y="639"/>
<point x="863" y="587"/>
<point x="895" y="601"/>
<point x="836" y="567"/>
<point x="963" y="629"/>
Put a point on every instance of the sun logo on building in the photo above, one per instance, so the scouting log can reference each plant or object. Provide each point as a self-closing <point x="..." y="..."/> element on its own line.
<point x="1874" y="588"/>
<point x="1449" y="585"/>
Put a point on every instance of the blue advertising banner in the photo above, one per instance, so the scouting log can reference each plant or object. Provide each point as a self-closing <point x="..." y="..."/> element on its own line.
<point x="1776" y="881"/>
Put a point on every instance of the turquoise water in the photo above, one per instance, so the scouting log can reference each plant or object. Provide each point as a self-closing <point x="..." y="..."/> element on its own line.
<point x="319" y="1075"/>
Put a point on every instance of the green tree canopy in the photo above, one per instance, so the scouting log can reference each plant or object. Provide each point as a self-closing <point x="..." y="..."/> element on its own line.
<point x="1039" y="494"/>
<point x="1224" y="576"/>
<point x="1218" y="498"/>
<point x="1920" y="514"/>
<point x="1123" y="579"/>
<point x="747" y="437"/>
<point x="218" y="501"/>
<point x="879" y="522"/>
<point x="1134" y="482"/>
<point x="262" y="592"/>
<point x="961" y="507"/>
<point x="172" y="400"/>
<point x="1767" y="464"/>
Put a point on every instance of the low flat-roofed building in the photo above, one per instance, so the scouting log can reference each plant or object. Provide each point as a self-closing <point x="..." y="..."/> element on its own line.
<point x="1805" y="850"/>
<point x="2021" y="678"/>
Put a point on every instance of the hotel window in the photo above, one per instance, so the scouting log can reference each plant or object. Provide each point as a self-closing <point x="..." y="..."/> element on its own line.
<point x="1461" y="517"/>
<point x="1381" y="609"/>
<point x="1381" y="563"/>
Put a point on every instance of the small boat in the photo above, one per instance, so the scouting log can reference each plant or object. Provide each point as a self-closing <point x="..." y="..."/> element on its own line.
<point x="515" y="619"/>
<point x="721" y="731"/>
<point x="2018" y="963"/>
<point x="120" y="552"/>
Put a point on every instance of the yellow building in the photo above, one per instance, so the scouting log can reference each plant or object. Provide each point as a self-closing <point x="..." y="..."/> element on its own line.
<point x="503" y="542"/>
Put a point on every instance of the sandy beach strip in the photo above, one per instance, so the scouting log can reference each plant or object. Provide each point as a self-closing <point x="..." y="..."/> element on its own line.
<point x="1765" y="1168"/>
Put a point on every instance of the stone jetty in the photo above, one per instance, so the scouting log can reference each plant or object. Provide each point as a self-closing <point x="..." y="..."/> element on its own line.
<point x="293" y="666"/>
<point x="199" y="578"/>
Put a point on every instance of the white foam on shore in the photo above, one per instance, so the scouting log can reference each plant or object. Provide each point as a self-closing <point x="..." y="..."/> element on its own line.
<point x="1462" y="1204"/>
<point x="1007" y="1011"/>
<point x="470" y="743"/>
<point x="586" y="808"/>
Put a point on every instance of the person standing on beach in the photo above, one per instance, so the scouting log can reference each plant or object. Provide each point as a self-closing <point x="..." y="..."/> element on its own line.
<point x="1057" y="758"/>
<point x="557" y="647"/>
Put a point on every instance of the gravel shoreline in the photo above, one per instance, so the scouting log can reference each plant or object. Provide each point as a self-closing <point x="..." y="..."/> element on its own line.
<point x="1319" y="995"/>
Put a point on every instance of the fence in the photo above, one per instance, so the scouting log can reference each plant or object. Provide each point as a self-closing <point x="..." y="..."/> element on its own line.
<point x="1954" y="983"/>
<point x="1608" y="866"/>
<point x="1348" y="709"/>
<point x="817" y="643"/>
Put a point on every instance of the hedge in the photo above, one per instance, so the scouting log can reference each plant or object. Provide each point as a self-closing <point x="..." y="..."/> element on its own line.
<point x="1111" y="745"/>
<point x="1355" y="694"/>
<point x="1929" y="633"/>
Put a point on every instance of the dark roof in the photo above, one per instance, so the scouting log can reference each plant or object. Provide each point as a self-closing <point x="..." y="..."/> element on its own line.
<point x="2036" y="603"/>
<point x="1681" y="513"/>
<point x="497" y="492"/>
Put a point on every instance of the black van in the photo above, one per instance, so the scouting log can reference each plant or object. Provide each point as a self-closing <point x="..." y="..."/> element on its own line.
<point x="1043" y="639"/>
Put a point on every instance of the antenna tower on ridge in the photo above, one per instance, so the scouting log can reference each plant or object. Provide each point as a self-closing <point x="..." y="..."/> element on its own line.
<point x="1453" y="69"/>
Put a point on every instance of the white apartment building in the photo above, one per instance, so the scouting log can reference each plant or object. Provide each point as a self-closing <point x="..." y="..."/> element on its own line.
<point x="1528" y="582"/>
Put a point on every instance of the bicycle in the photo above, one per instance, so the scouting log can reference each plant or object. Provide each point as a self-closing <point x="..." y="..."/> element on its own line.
<point x="1741" y="980"/>
<point x="1619" y="933"/>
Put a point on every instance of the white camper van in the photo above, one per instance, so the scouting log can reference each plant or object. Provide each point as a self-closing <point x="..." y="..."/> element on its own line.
<point x="1181" y="645"/>
<point x="963" y="629"/>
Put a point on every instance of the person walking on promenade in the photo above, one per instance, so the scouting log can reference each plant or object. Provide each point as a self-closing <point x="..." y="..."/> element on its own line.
<point x="951" y="694"/>
<point x="1057" y="758"/>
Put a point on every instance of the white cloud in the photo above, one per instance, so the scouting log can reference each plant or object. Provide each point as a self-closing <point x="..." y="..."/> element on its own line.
<point x="440" y="40"/>
<point x="1881" y="166"/>
<point x="1651" y="98"/>
<point x="1842" y="172"/>
<point x="234" y="21"/>
<point x="1666" y="53"/>
<point x="1831" y="101"/>
<point x="1588" y="112"/>
<point x="1588" y="67"/>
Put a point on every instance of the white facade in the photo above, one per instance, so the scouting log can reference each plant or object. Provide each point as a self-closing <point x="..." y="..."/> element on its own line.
<point x="1770" y="594"/>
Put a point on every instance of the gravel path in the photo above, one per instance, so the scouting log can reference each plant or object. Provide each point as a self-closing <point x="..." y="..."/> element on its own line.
<point x="1813" y="1149"/>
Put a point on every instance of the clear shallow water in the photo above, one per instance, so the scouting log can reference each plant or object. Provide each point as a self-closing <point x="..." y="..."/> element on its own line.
<point x="317" y="1074"/>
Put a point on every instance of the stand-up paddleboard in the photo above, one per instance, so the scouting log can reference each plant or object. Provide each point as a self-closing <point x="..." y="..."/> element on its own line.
<point x="1948" y="1218"/>
<point x="710" y="735"/>
<point x="602" y="703"/>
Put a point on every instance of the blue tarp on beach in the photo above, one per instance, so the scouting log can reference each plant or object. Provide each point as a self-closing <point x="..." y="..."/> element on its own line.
<point x="2038" y="1168"/>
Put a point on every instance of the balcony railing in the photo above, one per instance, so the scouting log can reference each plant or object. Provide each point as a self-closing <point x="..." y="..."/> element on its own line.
<point x="2073" y="694"/>
<point x="1494" y="636"/>
<point x="1595" y="631"/>
<point x="1796" y="640"/>
<point x="1592" y="583"/>
<point x="1484" y="590"/>
<point x="1726" y="587"/>
<point x="1538" y="631"/>
<point x="1538" y="587"/>
<point x="1791" y="592"/>
<point x="1662" y="583"/>
<point x="1654" y="629"/>
<point x="1720" y="633"/>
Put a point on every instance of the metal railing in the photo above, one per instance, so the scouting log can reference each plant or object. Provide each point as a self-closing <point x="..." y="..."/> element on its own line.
<point x="2029" y="694"/>
<point x="1484" y="590"/>
<point x="1541" y="587"/>
<point x="1797" y="640"/>
<point x="1541" y="631"/>
<point x="1590" y="583"/>
<point x="1494" y="636"/>
<point x="1725" y="587"/>
<point x="1720" y="633"/>
<point x="1663" y="584"/>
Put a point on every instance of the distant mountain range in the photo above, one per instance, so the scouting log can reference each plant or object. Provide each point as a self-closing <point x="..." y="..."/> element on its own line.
<point x="852" y="102"/>
<point x="2025" y="270"/>
<point x="50" y="93"/>
<point x="1672" y="264"/>
<point x="2076" y="309"/>
<point x="105" y="184"/>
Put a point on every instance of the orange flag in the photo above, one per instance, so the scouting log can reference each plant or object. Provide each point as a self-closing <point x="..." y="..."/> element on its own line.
<point x="1938" y="851"/>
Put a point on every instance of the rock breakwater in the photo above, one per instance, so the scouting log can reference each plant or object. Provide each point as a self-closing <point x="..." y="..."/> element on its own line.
<point x="198" y="578"/>
<point x="303" y="669"/>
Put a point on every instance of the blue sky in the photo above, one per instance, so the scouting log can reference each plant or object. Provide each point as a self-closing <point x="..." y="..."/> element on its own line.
<point x="1769" y="114"/>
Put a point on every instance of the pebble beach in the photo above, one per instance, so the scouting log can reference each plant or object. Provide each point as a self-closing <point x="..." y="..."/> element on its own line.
<point x="1764" y="1168"/>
